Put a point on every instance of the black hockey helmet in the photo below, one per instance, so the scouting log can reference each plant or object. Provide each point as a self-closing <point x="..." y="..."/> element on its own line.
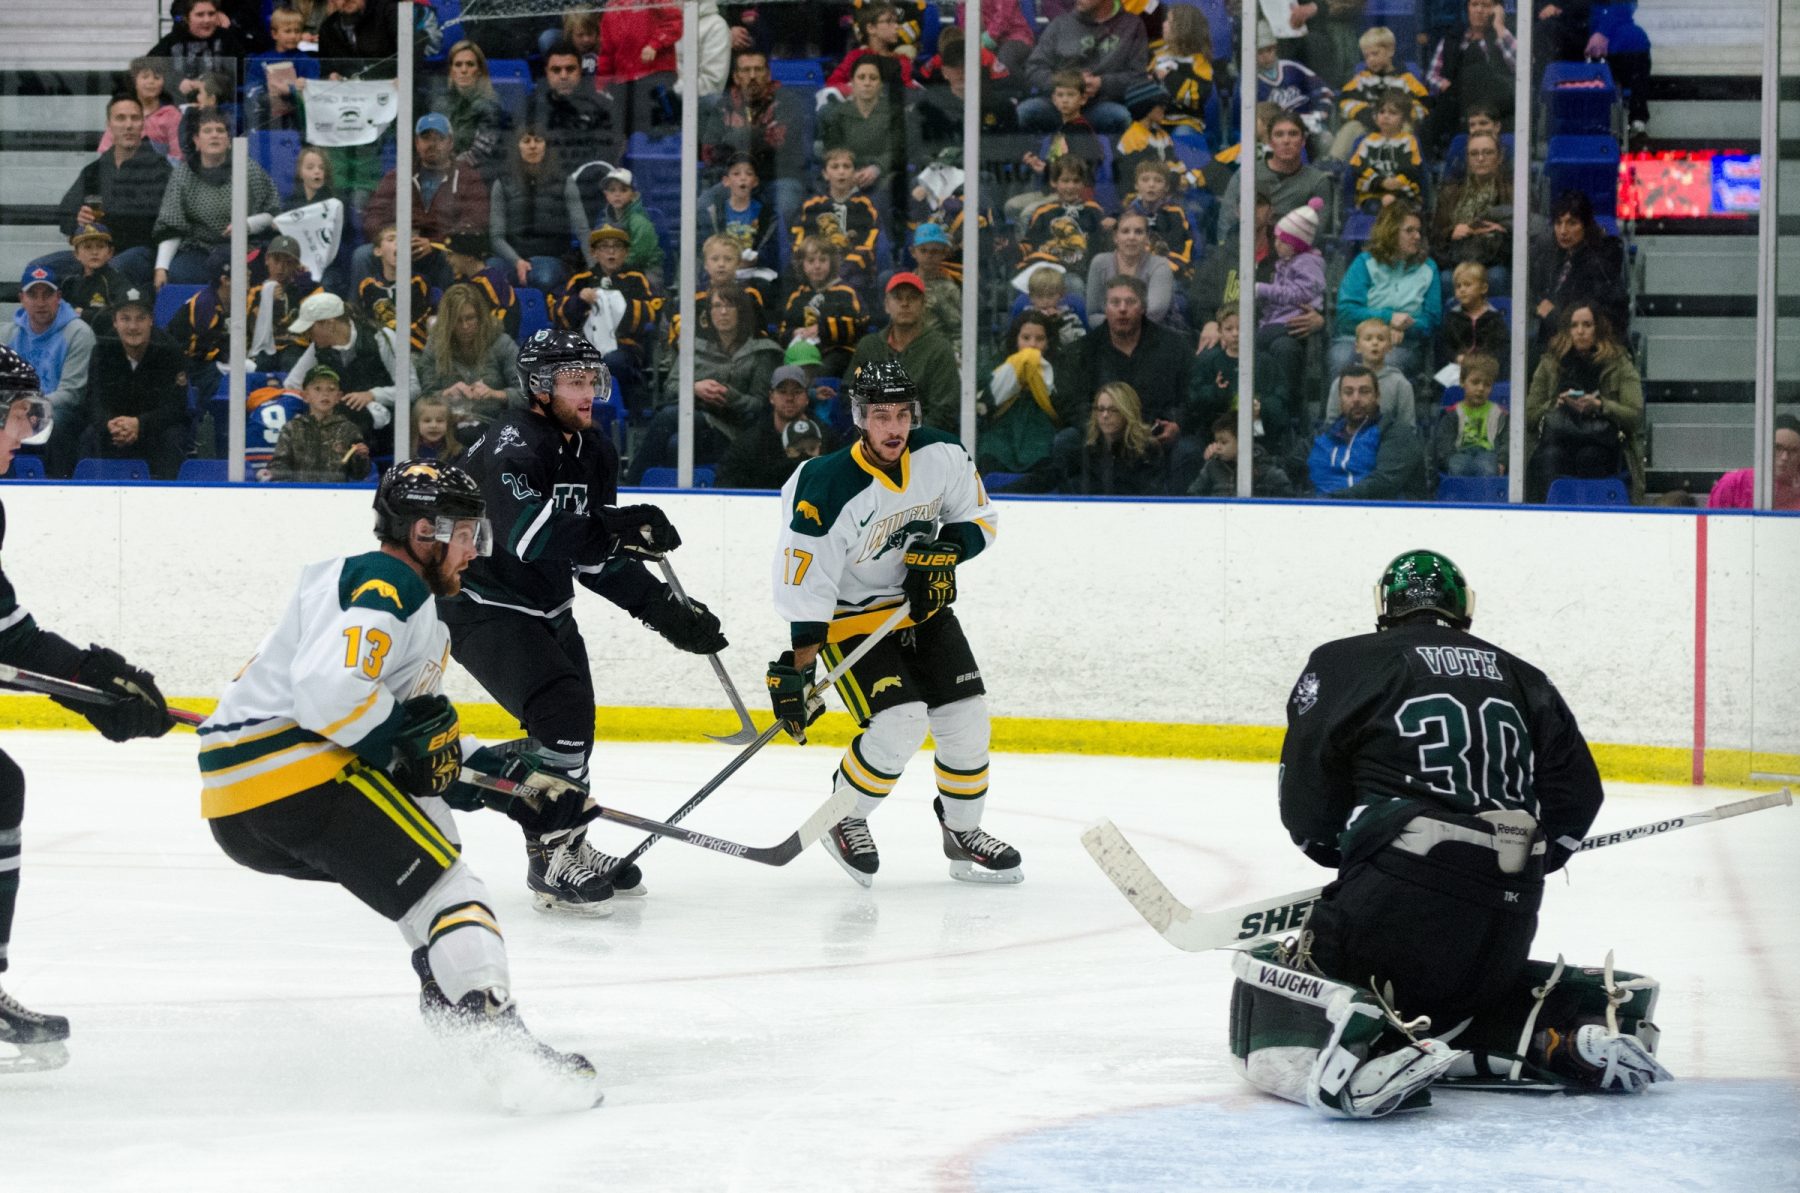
<point x="20" y="387"/>
<point x="549" y="352"/>
<point x="881" y="382"/>
<point x="414" y="489"/>
<point x="1426" y="582"/>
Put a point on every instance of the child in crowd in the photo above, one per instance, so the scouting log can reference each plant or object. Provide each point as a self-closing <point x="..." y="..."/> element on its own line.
<point x="1472" y="325"/>
<point x="1357" y="98"/>
<point x="740" y="214"/>
<point x="880" y="30"/>
<point x="581" y="28"/>
<point x="282" y="286"/>
<point x="624" y="209"/>
<point x="212" y="89"/>
<point x="202" y="327"/>
<point x="1482" y="117"/>
<point x="323" y="444"/>
<point x="1294" y="87"/>
<point x="1213" y="384"/>
<point x="1067" y="230"/>
<point x="1296" y="286"/>
<point x="943" y="282"/>
<point x="433" y="437"/>
<point x="1374" y="340"/>
<point x="1388" y="163"/>
<point x="1076" y="138"/>
<point x="1181" y="62"/>
<point x="1218" y="475"/>
<point x="844" y="217"/>
<point x="1470" y="435"/>
<point x="1019" y="411"/>
<point x="1146" y="138"/>
<point x="1047" y="290"/>
<point x="719" y="264"/>
<point x="629" y="307"/>
<point x="1219" y="179"/>
<point x="1171" y="233"/>
<point x="287" y="29"/>
<point x="375" y="293"/>
<point x="468" y="254"/>
<point x="94" y="290"/>
<point x="823" y="309"/>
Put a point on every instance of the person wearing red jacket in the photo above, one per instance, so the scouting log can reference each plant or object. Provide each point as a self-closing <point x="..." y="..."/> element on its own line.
<point x="637" y="55"/>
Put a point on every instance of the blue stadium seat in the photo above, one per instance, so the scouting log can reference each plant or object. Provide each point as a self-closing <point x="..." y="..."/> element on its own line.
<point x="277" y="152"/>
<point x="511" y="78"/>
<point x="534" y="311"/>
<point x="112" y="470"/>
<point x="1501" y="395"/>
<point x="1402" y="16"/>
<point x="666" y="478"/>
<point x="450" y="23"/>
<point x="1491" y="489"/>
<point x="1458" y="150"/>
<point x="802" y="74"/>
<point x="1586" y="163"/>
<point x="1000" y="482"/>
<point x="170" y="299"/>
<point x="1571" y="490"/>
<point x="202" y="471"/>
<point x="25" y="468"/>
<point x="1579" y="98"/>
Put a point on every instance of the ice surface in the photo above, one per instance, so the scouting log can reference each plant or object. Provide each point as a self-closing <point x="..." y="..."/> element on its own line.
<point x="782" y="1029"/>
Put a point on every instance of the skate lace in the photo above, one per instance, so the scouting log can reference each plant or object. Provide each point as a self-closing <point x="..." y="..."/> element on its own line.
<point x="17" y="1010"/>
<point x="595" y="860"/>
<point x="978" y="840"/>
<point x="568" y="866"/>
<point x="857" y="837"/>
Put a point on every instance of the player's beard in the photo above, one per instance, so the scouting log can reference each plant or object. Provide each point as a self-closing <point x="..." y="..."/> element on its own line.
<point x="440" y="580"/>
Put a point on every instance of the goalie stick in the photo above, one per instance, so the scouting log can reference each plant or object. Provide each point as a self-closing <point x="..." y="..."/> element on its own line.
<point x="1196" y="931"/>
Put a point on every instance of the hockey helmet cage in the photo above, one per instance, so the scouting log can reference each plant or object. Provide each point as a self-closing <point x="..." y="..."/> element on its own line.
<point x="881" y="382"/>
<point x="443" y="493"/>
<point x="549" y="352"/>
<point x="1423" y="582"/>
<point x="21" y="398"/>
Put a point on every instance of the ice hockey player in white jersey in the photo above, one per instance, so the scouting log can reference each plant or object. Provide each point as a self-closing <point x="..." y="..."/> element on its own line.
<point x="884" y="522"/>
<point x="334" y="757"/>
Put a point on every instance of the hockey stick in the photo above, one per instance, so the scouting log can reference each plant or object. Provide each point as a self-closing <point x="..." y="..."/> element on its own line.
<point x="68" y="689"/>
<point x="746" y="731"/>
<point x="817" y="693"/>
<point x="1196" y="931"/>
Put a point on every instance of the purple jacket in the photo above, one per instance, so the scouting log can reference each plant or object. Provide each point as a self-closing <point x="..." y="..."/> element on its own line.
<point x="1298" y="285"/>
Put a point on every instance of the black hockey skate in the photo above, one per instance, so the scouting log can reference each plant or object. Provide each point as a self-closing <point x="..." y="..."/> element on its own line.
<point x="34" y="1041"/>
<point x="561" y="881"/>
<point x="628" y="881"/>
<point x="531" y="1076"/>
<point x="976" y="855"/>
<point x="854" y="849"/>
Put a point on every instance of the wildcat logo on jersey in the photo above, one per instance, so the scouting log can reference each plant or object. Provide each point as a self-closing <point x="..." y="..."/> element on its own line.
<point x="572" y="498"/>
<point x="509" y="437"/>
<point x="884" y="683"/>
<point x="380" y="588"/>
<point x="807" y="509"/>
<point x="896" y="530"/>
<point x="1306" y="693"/>
<point x="521" y="488"/>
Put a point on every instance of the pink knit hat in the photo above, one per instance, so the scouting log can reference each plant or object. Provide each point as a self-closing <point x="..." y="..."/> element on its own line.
<point x="1300" y="226"/>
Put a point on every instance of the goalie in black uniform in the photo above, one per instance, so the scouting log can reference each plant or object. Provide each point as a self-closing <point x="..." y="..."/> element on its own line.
<point x="1443" y="778"/>
<point x="29" y="1040"/>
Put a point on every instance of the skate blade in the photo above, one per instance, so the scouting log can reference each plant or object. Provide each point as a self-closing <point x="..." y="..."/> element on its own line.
<point x="863" y="880"/>
<point x="636" y="892"/>
<point x="551" y="905"/>
<point x="966" y="871"/>
<point x="526" y="1089"/>
<point x="35" y="1058"/>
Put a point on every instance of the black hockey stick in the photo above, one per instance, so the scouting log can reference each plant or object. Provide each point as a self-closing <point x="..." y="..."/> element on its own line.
<point x="68" y="689"/>
<point x="746" y="731"/>
<point x="1196" y="931"/>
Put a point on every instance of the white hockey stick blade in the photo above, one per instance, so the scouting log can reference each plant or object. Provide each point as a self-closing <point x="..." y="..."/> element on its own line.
<point x="1185" y="927"/>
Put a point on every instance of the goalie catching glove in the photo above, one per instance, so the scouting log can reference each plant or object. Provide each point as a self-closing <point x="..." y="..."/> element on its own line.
<point x="551" y="803"/>
<point x="930" y="577"/>
<point x="686" y="625"/>
<point x="139" y="709"/>
<point x="642" y="531"/>
<point x="788" y="686"/>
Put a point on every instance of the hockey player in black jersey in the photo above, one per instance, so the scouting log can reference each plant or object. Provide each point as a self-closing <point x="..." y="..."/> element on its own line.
<point x="29" y="1040"/>
<point x="551" y="485"/>
<point x="1443" y="778"/>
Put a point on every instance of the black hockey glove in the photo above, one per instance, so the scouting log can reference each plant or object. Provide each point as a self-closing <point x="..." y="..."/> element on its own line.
<point x="428" y="748"/>
<point x="552" y="803"/>
<point x="643" y="531"/>
<point x="686" y="625"/>
<point x="788" y="686"/>
<point x="930" y="577"/>
<point x="139" y="710"/>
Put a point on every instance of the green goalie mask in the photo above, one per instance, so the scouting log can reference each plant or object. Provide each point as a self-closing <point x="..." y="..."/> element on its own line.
<point x="1423" y="582"/>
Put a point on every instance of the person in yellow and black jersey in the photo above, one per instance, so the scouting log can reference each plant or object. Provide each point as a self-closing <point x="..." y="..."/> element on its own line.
<point x="334" y="757"/>
<point x="29" y="1040"/>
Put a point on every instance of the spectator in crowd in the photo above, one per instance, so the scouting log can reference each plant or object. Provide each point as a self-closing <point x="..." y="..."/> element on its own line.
<point x="1298" y="91"/>
<point x="844" y="216"/>
<point x="1067" y="230"/>
<point x="135" y="404"/>
<point x="714" y="37"/>
<point x="162" y="117"/>
<point x="50" y="334"/>
<point x="1019" y="408"/>
<point x="201" y="327"/>
<point x="202" y="41"/>
<point x="1285" y="177"/>
<point x="1147" y="138"/>
<point x="1213" y="384"/>
<point x="935" y="117"/>
<point x="1737" y="490"/>
<point x="95" y="288"/>
<point x="1182" y="63"/>
<point x="1046" y="291"/>
<point x="213" y="90"/>
<point x="572" y="116"/>
<point x="1584" y="413"/>
<point x="1386" y="163"/>
<point x="1473" y="65"/>
<point x="1131" y="257"/>
<point x="1218" y="475"/>
<point x="1377" y="76"/>
<point x="739" y="214"/>
<point x="122" y="188"/>
<point x="1071" y="136"/>
<point x="776" y="439"/>
<point x="1362" y="456"/>
<point x="314" y="181"/>
<point x="1004" y="32"/>
<point x="195" y="217"/>
<point x="1578" y="264"/>
<point x="468" y="254"/>
<point x="943" y="282"/>
<point x="1116" y="455"/>
<point x="433" y="430"/>
<point x="446" y="195"/>
<point x="878" y="26"/>
<point x="359" y="35"/>
<point x="623" y="210"/>
<point x="1394" y="280"/>
<point x="1472" y="325"/>
<point x="324" y="445"/>
<point x="1470" y="435"/>
<point x="469" y="360"/>
<point x="615" y="306"/>
<point x="581" y="30"/>
<point x="278" y="284"/>
<point x="1166" y="222"/>
<point x="1106" y="43"/>
<point x="1151" y="359"/>
<point x="528" y="217"/>
<point x="635" y="58"/>
<point x="719" y="260"/>
<point x="287" y="30"/>
<point x="1216" y="279"/>
<point x="376" y="291"/>
<point x="1295" y="289"/>
<point x="928" y="358"/>
<point x="823" y="308"/>
<point x="1475" y="210"/>
<point x="245" y="16"/>
<point x="734" y="364"/>
<point x="756" y="115"/>
<point x="467" y="99"/>
<point x="871" y="126"/>
<point x="1393" y="392"/>
<point x="361" y="355"/>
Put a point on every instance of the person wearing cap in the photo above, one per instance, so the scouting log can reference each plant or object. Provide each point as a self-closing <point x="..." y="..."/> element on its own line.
<point x="634" y="304"/>
<point x="924" y="352"/>
<point x="823" y="310"/>
<point x="52" y="338"/>
<point x="96" y="286"/>
<point x="1147" y="137"/>
<point x="576" y="121"/>
<point x="360" y="354"/>
<point x="135" y="403"/>
<point x="773" y="444"/>
<point x="128" y="180"/>
<point x="1293" y="86"/>
<point x="625" y="211"/>
<point x="195" y="217"/>
<point x="447" y="196"/>
<point x="201" y="328"/>
<point x="275" y="300"/>
<point x="1103" y="40"/>
<point x="468" y="254"/>
<point x="528" y="219"/>
<point x="943" y="281"/>
<point x="323" y="445"/>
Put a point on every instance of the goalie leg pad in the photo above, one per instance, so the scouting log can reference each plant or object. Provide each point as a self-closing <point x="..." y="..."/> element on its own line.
<point x="962" y="731"/>
<point x="877" y="755"/>
<point x="455" y="923"/>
